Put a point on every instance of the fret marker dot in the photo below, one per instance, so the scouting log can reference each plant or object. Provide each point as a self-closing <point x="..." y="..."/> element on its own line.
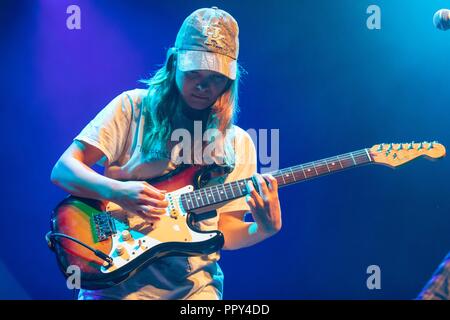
<point x="332" y="163"/>
<point x="309" y="170"/>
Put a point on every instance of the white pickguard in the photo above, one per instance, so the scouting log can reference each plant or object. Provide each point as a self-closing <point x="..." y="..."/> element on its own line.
<point x="140" y="242"/>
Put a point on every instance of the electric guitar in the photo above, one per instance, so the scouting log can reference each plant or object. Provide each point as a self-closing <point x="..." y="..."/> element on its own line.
<point x="97" y="236"/>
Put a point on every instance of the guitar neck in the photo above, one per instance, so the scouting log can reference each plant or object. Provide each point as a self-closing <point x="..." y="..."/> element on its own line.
<point x="216" y="194"/>
<point x="321" y="167"/>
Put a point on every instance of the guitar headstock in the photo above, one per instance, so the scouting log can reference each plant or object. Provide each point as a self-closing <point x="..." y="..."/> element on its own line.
<point x="396" y="154"/>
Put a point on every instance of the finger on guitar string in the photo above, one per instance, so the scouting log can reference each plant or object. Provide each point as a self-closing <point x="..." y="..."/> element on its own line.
<point x="146" y="200"/>
<point x="153" y="192"/>
<point x="271" y="182"/>
<point x="258" y="201"/>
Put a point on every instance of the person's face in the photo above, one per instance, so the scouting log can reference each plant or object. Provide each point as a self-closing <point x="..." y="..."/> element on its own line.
<point x="200" y="88"/>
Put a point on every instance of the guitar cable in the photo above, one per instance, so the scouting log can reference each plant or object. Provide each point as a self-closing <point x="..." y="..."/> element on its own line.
<point x="51" y="236"/>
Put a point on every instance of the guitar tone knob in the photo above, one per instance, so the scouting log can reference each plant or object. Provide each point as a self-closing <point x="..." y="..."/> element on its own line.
<point x="126" y="235"/>
<point x="120" y="250"/>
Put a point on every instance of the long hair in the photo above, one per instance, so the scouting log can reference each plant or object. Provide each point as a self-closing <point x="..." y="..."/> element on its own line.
<point x="163" y="101"/>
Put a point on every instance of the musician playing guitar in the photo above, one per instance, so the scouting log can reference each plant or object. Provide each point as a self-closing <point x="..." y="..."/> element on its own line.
<point x="132" y="138"/>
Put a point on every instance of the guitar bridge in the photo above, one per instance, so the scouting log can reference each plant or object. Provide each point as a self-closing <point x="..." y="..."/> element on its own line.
<point x="104" y="226"/>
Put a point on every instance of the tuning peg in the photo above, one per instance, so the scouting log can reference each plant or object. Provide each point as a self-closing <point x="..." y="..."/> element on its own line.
<point x="411" y="145"/>
<point x="380" y="147"/>
<point x="420" y="146"/>
<point x="390" y="147"/>
<point x="430" y="146"/>
<point x="400" y="146"/>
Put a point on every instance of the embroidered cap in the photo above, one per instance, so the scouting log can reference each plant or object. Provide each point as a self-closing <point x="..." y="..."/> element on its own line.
<point x="208" y="40"/>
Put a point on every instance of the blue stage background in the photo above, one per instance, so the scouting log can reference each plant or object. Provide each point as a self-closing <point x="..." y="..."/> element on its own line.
<point x="315" y="71"/>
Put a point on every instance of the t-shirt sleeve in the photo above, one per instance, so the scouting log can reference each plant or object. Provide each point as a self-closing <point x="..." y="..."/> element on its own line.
<point x="245" y="167"/>
<point x="108" y="131"/>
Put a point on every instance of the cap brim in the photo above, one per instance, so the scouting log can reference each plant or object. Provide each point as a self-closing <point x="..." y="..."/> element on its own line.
<point x="189" y="60"/>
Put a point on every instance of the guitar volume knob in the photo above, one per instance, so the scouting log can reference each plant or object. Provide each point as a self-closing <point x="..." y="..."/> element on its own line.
<point x="120" y="250"/>
<point x="126" y="235"/>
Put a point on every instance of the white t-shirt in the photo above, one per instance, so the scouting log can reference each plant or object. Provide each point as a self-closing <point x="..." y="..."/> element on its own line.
<point x="117" y="131"/>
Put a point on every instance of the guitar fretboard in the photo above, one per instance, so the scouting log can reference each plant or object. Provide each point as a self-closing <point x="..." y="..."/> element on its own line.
<point x="212" y="195"/>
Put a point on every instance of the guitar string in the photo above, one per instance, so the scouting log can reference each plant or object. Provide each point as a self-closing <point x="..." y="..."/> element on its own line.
<point x="278" y="173"/>
<point x="281" y="173"/>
